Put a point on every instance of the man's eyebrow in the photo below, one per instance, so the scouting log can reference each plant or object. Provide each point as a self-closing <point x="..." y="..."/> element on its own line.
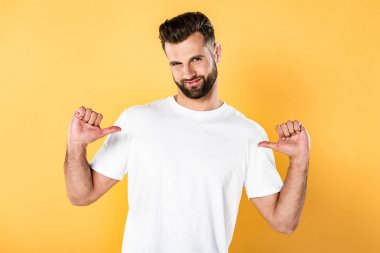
<point x="192" y="58"/>
<point x="197" y="56"/>
<point x="172" y="62"/>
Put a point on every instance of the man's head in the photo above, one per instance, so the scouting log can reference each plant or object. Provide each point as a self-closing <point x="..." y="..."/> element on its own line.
<point x="189" y="44"/>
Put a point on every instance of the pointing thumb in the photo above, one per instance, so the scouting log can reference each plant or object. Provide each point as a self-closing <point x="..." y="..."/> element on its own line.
<point x="110" y="130"/>
<point x="267" y="144"/>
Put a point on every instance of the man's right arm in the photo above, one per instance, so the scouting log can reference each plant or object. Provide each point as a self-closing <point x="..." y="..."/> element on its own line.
<point x="84" y="185"/>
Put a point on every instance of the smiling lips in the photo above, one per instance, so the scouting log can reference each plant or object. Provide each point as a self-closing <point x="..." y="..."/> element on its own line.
<point x="194" y="82"/>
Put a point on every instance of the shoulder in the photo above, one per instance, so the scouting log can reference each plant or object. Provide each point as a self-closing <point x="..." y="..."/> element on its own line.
<point x="248" y="125"/>
<point x="142" y="110"/>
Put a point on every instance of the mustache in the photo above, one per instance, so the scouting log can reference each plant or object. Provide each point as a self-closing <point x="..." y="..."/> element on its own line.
<point x="192" y="79"/>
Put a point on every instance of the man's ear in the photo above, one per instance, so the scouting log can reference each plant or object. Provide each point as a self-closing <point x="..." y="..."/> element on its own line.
<point x="217" y="52"/>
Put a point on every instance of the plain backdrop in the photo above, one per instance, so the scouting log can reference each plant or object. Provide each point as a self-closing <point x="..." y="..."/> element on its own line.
<point x="314" y="61"/>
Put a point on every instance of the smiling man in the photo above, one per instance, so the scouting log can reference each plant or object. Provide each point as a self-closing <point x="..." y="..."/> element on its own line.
<point x="188" y="156"/>
<point x="190" y="69"/>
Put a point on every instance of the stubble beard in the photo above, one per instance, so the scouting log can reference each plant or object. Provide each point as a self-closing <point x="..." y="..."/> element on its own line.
<point x="201" y="90"/>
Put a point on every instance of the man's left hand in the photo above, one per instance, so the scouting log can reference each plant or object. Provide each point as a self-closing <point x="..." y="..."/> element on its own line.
<point x="293" y="141"/>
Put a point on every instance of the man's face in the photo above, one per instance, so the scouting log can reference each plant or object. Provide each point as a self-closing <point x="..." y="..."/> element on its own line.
<point x="192" y="65"/>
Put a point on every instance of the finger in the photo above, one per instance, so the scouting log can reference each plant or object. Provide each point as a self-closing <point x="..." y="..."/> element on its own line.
<point x="296" y="124"/>
<point x="87" y="116"/>
<point x="80" y="112"/>
<point x="285" y="130"/>
<point x="93" y="117"/>
<point x="268" y="144"/>
<point x="279" y="131"/>
<point x="290" y="126"/>
<point x="110" y="130"/>
<point x="98" y="119"/>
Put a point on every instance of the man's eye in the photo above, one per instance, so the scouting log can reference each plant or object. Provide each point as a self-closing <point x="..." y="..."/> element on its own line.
<point x="174" y="64"/>
<point x="196" y="59"/>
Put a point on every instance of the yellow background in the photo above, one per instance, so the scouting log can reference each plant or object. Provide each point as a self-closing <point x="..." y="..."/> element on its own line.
<point x="315" y="61"/>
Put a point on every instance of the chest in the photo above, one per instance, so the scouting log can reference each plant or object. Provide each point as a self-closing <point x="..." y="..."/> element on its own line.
<point x="183" y="151"/>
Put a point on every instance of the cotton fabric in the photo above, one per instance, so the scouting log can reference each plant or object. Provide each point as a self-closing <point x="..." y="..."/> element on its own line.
<point x="186" y="171"/>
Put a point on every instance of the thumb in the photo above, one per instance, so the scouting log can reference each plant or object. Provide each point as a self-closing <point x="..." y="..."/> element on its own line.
<point x="110" y="130"/>
<point x="268" y="144"/>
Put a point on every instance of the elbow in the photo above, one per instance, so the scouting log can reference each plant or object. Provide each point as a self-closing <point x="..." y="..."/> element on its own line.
<point x="287" y="229"/>
<point x="76" y="201"/>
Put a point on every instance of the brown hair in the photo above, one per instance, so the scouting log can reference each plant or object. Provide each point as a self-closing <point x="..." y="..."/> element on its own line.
<point x="182" y="26"/>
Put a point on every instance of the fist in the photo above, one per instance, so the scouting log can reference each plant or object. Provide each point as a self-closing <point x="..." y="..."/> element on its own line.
<point x="293" y="140"/>
<point x="85" y="127"/>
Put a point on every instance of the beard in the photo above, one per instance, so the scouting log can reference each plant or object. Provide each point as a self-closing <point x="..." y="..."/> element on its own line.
<point x="202" y="89"/>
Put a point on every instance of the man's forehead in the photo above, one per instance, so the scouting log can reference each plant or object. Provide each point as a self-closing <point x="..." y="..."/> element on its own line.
<point x="193" y="45"/>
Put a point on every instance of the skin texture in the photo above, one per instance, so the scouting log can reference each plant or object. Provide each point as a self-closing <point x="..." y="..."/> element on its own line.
<point x="192" y="60"/>
<point x="283" y="210"/>
<point x="83" y="185"/>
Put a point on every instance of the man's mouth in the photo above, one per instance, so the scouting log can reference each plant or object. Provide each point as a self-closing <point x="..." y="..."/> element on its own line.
<point x="193" y="82"/>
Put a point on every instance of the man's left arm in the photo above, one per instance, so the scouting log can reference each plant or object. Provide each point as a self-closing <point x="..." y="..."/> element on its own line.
<point x="283" y="209"/>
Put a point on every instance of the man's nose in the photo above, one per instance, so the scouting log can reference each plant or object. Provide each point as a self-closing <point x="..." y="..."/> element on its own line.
<point x="189" y="72"/>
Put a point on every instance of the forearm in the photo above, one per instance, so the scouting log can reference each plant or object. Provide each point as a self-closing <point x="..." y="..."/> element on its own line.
<point x="79" y="183"/>
<point x="291" y="199"/>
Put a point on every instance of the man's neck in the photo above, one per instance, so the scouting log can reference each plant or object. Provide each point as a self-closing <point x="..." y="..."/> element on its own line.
<point x="207" y="103"/>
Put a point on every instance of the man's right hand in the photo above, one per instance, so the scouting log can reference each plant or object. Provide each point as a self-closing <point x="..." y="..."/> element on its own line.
<point x="85" y="127"/>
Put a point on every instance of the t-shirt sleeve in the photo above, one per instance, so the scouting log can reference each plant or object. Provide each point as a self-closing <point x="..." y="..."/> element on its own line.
<point x="262" y="177"/>
<point x="111" y="159"/>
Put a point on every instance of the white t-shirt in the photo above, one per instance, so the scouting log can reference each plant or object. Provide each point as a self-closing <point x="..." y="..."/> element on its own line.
<point x="186" y="171"/>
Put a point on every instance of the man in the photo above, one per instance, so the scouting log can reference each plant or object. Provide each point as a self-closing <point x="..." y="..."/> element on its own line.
<point x="188" y="156"/>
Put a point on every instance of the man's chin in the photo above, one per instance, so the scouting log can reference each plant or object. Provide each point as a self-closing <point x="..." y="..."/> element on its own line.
<point x="194" y="88"/>
<point x="192" y="92"/>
